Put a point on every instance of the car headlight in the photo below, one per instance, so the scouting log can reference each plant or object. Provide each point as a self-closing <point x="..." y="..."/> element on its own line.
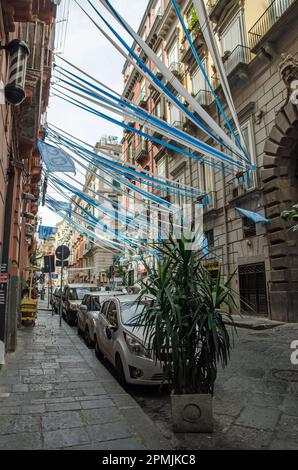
<point x="136" y="347"/>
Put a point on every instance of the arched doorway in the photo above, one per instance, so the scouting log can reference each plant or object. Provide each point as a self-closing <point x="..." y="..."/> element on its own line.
<point x="280" y="187"/>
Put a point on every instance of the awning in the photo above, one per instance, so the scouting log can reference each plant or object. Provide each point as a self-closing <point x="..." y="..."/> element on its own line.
<point x="254" y="216"/>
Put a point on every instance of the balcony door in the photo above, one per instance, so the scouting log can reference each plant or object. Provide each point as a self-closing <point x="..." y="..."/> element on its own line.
<point x="233" y="35"/>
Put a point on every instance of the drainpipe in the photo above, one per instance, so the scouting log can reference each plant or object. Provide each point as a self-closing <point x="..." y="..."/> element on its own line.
<point x="226" y="266"/>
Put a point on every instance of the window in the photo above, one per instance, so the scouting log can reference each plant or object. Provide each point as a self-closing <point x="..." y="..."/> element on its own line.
<point x="161" y="167"/>
<point x="249" y="228"/>
<point x="158" y="109"/>
<point x="173" y="54"/>
<point x="130" y="152"/>
<point x="233" y="36"/>
<point x="207" y="180"/>
<point x="179" y="198"/>
<point x="209" y="234"/>
<point x="157" y="8"/>
<point x="249" y="177"/>
<point x="143" y="89"/>
<point x="112" y="314"/>
<point x="198" y="80"/>
<point x="175" y="116"/>
<point x="105" y="308"/>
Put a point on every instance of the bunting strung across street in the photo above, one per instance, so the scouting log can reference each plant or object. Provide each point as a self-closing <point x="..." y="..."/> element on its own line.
<point x="133" y="112"/>
<point x="108" y="166"/>
<point x="253" y="216"/>
<point x="45" y="233"/>
<point x="217" y="133"/>
<point x="56" y="160"/>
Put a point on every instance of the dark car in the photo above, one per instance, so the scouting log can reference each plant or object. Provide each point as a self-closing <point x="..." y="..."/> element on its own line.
<point x="55" y="299"/>
<point x="72" y="297"/>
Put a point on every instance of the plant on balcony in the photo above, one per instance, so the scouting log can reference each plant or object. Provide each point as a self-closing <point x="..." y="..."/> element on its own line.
<point x="185" y="330"/>
<point x="291" y="215"/>
<point x="193" y="22"/>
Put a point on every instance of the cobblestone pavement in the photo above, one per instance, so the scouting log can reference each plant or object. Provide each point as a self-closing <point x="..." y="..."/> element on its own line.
<point x="256" y="397"/>
<point x="54" y="394"/>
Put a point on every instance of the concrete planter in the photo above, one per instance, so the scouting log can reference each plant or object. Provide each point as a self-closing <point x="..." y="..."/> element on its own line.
<point x="192" y="413"/>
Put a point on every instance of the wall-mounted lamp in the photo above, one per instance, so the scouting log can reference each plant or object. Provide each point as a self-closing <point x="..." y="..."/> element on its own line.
<point x="18" y="55"/>
<point x="28" y="215"/>
<point x="28" y="197"/>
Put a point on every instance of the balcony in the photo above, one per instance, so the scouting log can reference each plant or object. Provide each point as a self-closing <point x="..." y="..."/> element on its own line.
<point x="204" y="97"/>
<point x="272" y="23"/>
<point x="218" y="8"/>
<point x="141" y="151"/>
<point x="176" y="69"/>
<point x="157" y="73"/>
<point x="143" y="100"/>
<point x="185" y="49"/>
<point x="236" y="62"/>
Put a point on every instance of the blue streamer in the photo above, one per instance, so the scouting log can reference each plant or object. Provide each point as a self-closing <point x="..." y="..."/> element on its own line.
<point x="153" y="77"/>
<point x="207" y="78"/>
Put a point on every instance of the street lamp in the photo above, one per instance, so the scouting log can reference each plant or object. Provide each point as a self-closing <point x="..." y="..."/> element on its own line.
<point x="18" y="56"/>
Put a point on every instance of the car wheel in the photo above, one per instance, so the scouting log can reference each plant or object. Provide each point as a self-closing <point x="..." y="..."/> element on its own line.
<point x="120" y="371"/>
<point x="87" y="337"/>
<point x="98" y="352"/>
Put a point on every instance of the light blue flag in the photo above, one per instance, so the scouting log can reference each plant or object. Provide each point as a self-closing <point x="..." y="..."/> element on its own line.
<point x="254" y="216"/>
<point x="45" y="233"/>
<point x="59" y="205"/>
<point x="56" y="160"/>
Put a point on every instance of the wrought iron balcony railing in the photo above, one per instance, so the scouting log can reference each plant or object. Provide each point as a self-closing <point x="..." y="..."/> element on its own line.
<point x="240" y="55"/>
<point x="176" y="69"/>
<point x="273" y="13"/>
<point x="141" y="151"/>
<point x="204" y="97"/>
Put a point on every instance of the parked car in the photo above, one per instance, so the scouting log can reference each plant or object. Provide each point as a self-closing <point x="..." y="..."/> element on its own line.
<point x="72" y="297"/>
<point x="89" y="310"/>
<point x="122" y="343"/>
<point x="55" y="299"/>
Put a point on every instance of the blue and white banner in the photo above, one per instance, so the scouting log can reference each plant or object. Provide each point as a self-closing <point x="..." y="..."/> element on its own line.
<point x="56" y="160"/>
<point x="45" y="232"/>
<point x="254" y="216"/>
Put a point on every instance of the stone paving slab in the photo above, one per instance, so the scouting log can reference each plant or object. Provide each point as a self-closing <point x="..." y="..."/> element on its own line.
<point x="54" y="394"/>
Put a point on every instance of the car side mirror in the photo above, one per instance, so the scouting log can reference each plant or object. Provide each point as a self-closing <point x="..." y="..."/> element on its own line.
<point x="110" y="330"/>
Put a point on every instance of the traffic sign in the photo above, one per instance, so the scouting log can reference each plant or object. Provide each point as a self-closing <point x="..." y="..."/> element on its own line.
<point x="62" y="252"/>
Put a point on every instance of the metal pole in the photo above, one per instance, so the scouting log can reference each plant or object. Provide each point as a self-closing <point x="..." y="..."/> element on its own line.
<point x="49" y="290"/>
<point x="52" y="295"/>
<point x="60" y="310"/>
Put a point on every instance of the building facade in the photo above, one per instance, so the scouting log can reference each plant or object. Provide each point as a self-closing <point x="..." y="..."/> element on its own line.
<point x="30" y="21"/>
<point x="252" y="37"/>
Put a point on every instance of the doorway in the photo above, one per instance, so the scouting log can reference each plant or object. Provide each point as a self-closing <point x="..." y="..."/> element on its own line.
<point x="252" y="282"/>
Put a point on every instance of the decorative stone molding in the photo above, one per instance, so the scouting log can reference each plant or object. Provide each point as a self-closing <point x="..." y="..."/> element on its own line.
<point x="288" y="69"/>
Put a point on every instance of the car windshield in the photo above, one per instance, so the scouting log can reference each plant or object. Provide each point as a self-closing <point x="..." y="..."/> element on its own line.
<point x="131" y="310"/>
<point x="77" y="293"/>
<point x="94" y="304"/>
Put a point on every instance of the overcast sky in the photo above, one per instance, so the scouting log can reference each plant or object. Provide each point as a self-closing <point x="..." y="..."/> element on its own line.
<point x="86" y="48"/>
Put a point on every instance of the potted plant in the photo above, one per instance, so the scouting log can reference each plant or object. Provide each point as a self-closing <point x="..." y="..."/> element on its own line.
<point x="185" y="330"/>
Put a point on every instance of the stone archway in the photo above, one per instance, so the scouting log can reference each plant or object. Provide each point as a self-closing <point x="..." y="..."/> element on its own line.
<point x="280" y="189"/>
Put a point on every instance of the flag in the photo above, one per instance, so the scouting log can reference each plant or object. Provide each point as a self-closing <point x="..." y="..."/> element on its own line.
<point x="45" y="233"/>
<point x="56" y="160"/>
<point x="254" y="216"/>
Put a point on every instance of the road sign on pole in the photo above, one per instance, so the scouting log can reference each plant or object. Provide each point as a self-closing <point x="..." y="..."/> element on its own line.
<point x="62" y="253"/>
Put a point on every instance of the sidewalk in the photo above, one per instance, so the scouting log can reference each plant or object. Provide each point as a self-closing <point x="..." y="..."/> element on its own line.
<point x="55" y="394"/>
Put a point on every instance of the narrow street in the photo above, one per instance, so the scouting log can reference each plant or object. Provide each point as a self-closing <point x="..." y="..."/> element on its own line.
<point x="256" y="397"/>
<point x="54" y="394"/>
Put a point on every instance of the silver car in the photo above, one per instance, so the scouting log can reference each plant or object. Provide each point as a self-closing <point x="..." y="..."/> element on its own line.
<point x="88" y="312"/>
<point x="123" y="344"/>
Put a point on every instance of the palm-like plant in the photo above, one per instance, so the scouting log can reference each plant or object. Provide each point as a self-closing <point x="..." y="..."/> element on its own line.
<point x="183" y="325"/>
